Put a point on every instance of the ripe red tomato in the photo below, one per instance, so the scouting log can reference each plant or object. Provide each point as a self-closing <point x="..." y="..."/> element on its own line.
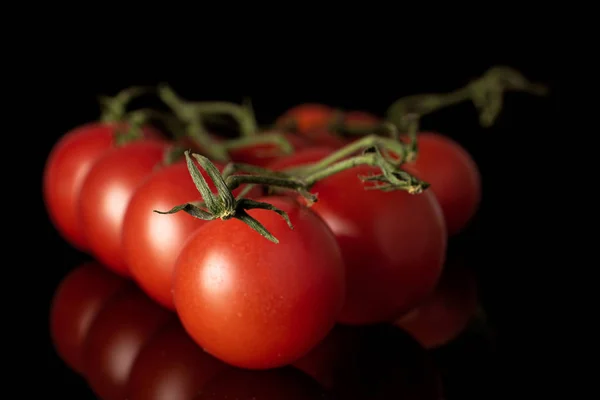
<point x="78" y="299"/>
<point x="393" y="244"/>
<point x="151" y="242"/>
<point x="263" y="154"/>
<point x="352" y="119"/>
<point x="307" y="117"/>
<point x="106" y="193"/>
<point x="454" y="177"/>
<point x="276" y="384"/>
<point x="115" y="339"/>
<point x="255" y="304"/>
<point x="302" y="157"/>
<point x="447" y="312"/>
<point x="66" y="168"/>
<point x="171" y="366"/>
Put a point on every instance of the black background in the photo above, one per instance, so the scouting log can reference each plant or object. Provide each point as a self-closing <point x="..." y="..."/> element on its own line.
<point x="68" y="93"/>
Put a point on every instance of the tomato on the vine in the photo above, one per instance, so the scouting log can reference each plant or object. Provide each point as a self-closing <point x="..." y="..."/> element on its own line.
<point x="263" y="154"/>
<point x="253" y="303"/>
<point x="393" y="243"/>
<point x="152" y="242"/>
<point x="447" y="312"/>
<point x="307" y="117"/>
<point x="106" y="193"/>
<point x="65" y="171"/>
<point x="76" y="302"/>
<point x="121" y="329"/>
<point x="171" y="366"/>
<point x="454" y="177"/>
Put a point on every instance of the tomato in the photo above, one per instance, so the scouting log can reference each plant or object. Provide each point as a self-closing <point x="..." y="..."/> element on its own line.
<point x="454" y="177"/>
<point x="66" y="169"/>
<point x="263" y="154"/>
<point x="307" y="117"/>
<point x="305" y="156"/>
<point x="106" y="193"/>
<point x="393" y="243"/>
<point x="171" y="366"/>
<point x="276" y="384"/>
<point x="151" y="241"/>
<point x="115" y="339"/>
<point x="77" y="300"/>
<point x="447" y="312"/>
<point x="253" y="303"/>
<point x="361" y="119"/>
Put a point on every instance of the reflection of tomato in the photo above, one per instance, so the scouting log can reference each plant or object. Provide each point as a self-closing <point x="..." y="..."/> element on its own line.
<point x="106" y="193"/>
<point x="78" y="299"/>
<point x="120" y="330"/>
<point x="276" y="384"/>
<point x="171" y="366"/>
<point x="447" y="312"/>
<point x="253" y="303"/>
<point x="67" y="166"/>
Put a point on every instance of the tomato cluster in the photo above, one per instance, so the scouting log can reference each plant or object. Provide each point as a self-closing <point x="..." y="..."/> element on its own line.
<point x="260" y="244"/>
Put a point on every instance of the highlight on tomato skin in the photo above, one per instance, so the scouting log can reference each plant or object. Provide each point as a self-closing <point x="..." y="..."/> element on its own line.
<point x="448" y="311"/>
<point x="284" y="383"/>
<point x="79" y="298"/>
<point x="66" y="168"/>
<point x="120" y="331"/>
<point x="171" y="366"/>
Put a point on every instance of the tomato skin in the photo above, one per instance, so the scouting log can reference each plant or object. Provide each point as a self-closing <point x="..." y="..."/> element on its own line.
<point x="115" y="339"/>
<point x="66" y="168"/>
<point x="151" y="241"/>
<point x="393" y="244"/>
<point x="171" y="366"/>
<point x="302" y="157"/>
<point x="77" y="301"/>
<point x="106" y="193"/>
<point x="447" y="312"/>
<point x="263" y="154"/>
<point x="255" y="304"/>
<point x="307" y="117"/>
<point x="454" y="177"/>
<point x="276" y="384"/>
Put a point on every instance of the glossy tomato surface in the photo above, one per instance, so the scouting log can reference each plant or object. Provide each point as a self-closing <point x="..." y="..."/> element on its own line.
<point x="66" y="168"/>
<point x="445" y="314"/>
<point x="275" y="384"/>
<point x="76" y="303"/>
<point x="171" y="366"/>
<point x="393" y="243"/>
<point x="454" y="177"/>
<point x="152" y="241"/>
<point x="106" y="192"/>
<point x="123" y="327"/>
<point x="263" y="154"/>
<point x="253" y="303"/>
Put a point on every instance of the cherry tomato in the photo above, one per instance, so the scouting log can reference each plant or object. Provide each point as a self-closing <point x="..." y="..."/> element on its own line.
<point x="151" y="241"/>
<point x="115" y="339"/>
<point x="393" y="243"/>
<point x="66" y="169"/>
<point x="361" y="119"/>
<point x="302" y="157"/>
<point x="253" y="303"/>
<point x="454" y="177"/>
<point x="351" y="119"/>
<point x="447" y="312"/>
<point x="171" y="366"/>
<point x="78" y="299"/>
<point x="307" y="117"/>
<point x="106" y="193"/>
<point x="276" y="384"/>
<point x="263" y="154"/>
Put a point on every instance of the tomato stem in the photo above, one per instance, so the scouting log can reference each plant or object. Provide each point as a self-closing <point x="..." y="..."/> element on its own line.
<point x="486" y="93"/>
<point x="113" y="108"/>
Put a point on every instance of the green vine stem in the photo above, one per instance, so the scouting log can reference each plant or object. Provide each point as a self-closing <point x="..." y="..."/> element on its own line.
<point x="224" y="205"/>
<point x="192" y="114"/>
<point x="113" y="108"/>
<point x="486" y="93"/>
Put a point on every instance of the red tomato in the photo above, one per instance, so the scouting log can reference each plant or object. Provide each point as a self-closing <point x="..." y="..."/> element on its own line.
<point x="171" y="366"/>
<point x="447" y="312"/>
<point x="307" y="117"/>
<point x="151" y="241"/>
<point x="303" y="157"/>
<point x="454" y="177"/>
<point x="393" y="244"/>
<point x="361" y="119"/>
<point x="275" y="384"/>
<point x="78" y="299"/>
<point x="255" y="304"/>
<point x="106" y="193"/>
<point x="263" y="154"/>
<point x="115" y="339"/>
<point x="351" y="119"/>
<point x="66" y="169"/>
